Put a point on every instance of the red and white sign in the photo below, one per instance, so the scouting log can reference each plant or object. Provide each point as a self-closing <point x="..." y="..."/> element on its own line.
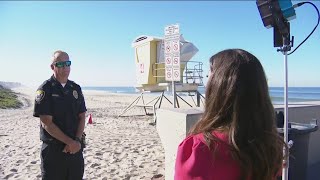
<point x="176" y="62"/>
<point x="169" y="74"/>
<point x="141" y="68"/>
<point x="176" y="74"/>
<point x="168" y="61"/>
<point x="172" y="52"/>
<point x="176" y="46"/>
<point x="167" y="47"/>
<point x="140" y="73"/>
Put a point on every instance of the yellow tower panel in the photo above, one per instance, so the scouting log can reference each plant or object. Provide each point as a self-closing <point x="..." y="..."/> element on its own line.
<point x="145" y="58"/>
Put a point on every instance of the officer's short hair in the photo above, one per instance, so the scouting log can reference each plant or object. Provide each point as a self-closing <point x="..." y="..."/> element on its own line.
<point x="57" y="54"/>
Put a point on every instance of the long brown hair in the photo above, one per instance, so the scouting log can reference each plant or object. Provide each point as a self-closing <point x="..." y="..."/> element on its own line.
<point x="238" y="104"/>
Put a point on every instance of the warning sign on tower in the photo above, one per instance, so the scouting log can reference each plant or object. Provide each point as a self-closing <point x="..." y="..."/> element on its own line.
<point x="172" y="52"/>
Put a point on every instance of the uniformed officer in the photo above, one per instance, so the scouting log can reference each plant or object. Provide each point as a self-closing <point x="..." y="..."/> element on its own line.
<point x="61" y="107"/>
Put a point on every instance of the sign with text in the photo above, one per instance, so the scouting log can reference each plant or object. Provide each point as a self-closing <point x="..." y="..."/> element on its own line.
<point x="176" y="62"/>
<point x="176" y="73"/>
<point x="168" y="61"/>
<point x="172" y="30"/>
<point x="168" y="73"/>
<point x="172" y="52"/>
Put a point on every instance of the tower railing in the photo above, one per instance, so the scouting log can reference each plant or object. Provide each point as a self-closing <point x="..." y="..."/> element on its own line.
<point x="192" y="73"/>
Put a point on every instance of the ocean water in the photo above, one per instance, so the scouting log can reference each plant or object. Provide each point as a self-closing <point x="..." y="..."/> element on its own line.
<point x="295" y="94"/>
<point x="125" y="90"/>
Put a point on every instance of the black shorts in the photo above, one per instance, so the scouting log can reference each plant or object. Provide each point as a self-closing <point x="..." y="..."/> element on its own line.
<point x="56" y="164"/>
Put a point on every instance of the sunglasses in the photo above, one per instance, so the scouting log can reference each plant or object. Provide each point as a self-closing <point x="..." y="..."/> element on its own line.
<point x="63" y="64"/>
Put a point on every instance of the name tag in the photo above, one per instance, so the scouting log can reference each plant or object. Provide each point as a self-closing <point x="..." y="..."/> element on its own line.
<point x="55" y="95"/>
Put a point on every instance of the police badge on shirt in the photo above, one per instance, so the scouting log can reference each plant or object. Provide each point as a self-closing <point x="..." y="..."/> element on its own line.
<point x="75" y="94"/>
<point x="39" y="96"/>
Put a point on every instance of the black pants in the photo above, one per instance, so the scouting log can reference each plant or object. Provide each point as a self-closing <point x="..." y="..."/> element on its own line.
<point x="57" y="165"/>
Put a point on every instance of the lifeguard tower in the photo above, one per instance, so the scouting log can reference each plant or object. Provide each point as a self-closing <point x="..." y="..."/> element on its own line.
<point x="150" y="71"/>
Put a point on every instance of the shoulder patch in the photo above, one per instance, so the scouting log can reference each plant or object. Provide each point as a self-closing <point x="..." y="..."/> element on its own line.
<point x="39" y="95"/>
<point x="75" y="94"/>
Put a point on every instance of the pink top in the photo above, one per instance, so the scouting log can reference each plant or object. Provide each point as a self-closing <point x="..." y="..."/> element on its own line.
<point x="195" y="161"/>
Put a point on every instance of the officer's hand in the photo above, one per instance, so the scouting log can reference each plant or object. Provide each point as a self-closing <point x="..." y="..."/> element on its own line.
<point x="73" y="147"/>
<point x="66" y="149"/>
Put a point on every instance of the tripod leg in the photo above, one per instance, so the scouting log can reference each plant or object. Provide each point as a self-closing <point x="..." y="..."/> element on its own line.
<point x="157" y="101"/>
<point x="193" y="101"/>
<point x="130" y="106"/>
<point x="154" y="114"/>
<point x="167" y="99"/>
<point x="201" y="98"/>
<point x="145" y="110"/>
<point x="183" y="100"/>
<point x="198" y="99"/>
<point x="177" y="100"/>
<point x="152" y="100"/>
<point x="161" y="96"/>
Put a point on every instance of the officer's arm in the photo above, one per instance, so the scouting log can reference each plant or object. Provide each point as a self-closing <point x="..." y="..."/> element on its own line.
<point x="82" y="117"/>
<point x="53" y="130"/>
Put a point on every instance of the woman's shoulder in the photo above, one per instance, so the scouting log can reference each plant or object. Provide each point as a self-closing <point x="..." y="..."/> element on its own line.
<point x="193" y="141"/>
<point x="196" y="145"/>
<point x="199" y="138"/>
<point x="196" y="160"/>
<point x="192" y="159"/>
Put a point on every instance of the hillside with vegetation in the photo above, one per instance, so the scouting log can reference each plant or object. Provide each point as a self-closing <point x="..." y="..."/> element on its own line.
<point x="8" y="98"/>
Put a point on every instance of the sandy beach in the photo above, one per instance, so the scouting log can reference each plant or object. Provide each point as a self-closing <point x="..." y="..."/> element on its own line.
<point x="117" y="147"/>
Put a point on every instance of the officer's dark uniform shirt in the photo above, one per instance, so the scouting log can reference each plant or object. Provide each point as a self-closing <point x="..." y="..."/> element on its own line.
<point x="64" y="104"/>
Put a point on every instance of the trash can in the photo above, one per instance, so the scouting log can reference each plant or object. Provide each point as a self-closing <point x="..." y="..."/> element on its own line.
<point x="298" y="158"/>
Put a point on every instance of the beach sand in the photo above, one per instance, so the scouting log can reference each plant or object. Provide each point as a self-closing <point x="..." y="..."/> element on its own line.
<point x="117" y="147"/>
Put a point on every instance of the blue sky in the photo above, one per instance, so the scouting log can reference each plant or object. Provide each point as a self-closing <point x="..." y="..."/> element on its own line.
<point x="98" y="36"/>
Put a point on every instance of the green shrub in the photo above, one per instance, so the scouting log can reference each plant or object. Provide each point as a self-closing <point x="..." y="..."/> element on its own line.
<point x="8" y="99"/>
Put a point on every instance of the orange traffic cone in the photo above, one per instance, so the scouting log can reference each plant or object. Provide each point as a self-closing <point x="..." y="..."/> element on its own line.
<point x="90" y="119"/>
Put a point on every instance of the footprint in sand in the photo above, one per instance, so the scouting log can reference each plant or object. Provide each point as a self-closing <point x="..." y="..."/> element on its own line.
<point x="14" y="170"/>
<point x="8" y="176"/>
<point x="20" y="161"/>
<point x="33" y="162"/>
<point x="99" y="154"/>
<point x="127" y="177"/>
<point x="94" y="165"/>
<point x="158" y="176"/>
<point x="146" y="155"/>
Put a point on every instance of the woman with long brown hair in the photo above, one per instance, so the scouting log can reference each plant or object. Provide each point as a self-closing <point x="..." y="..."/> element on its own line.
<point x="236" y="137"/>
